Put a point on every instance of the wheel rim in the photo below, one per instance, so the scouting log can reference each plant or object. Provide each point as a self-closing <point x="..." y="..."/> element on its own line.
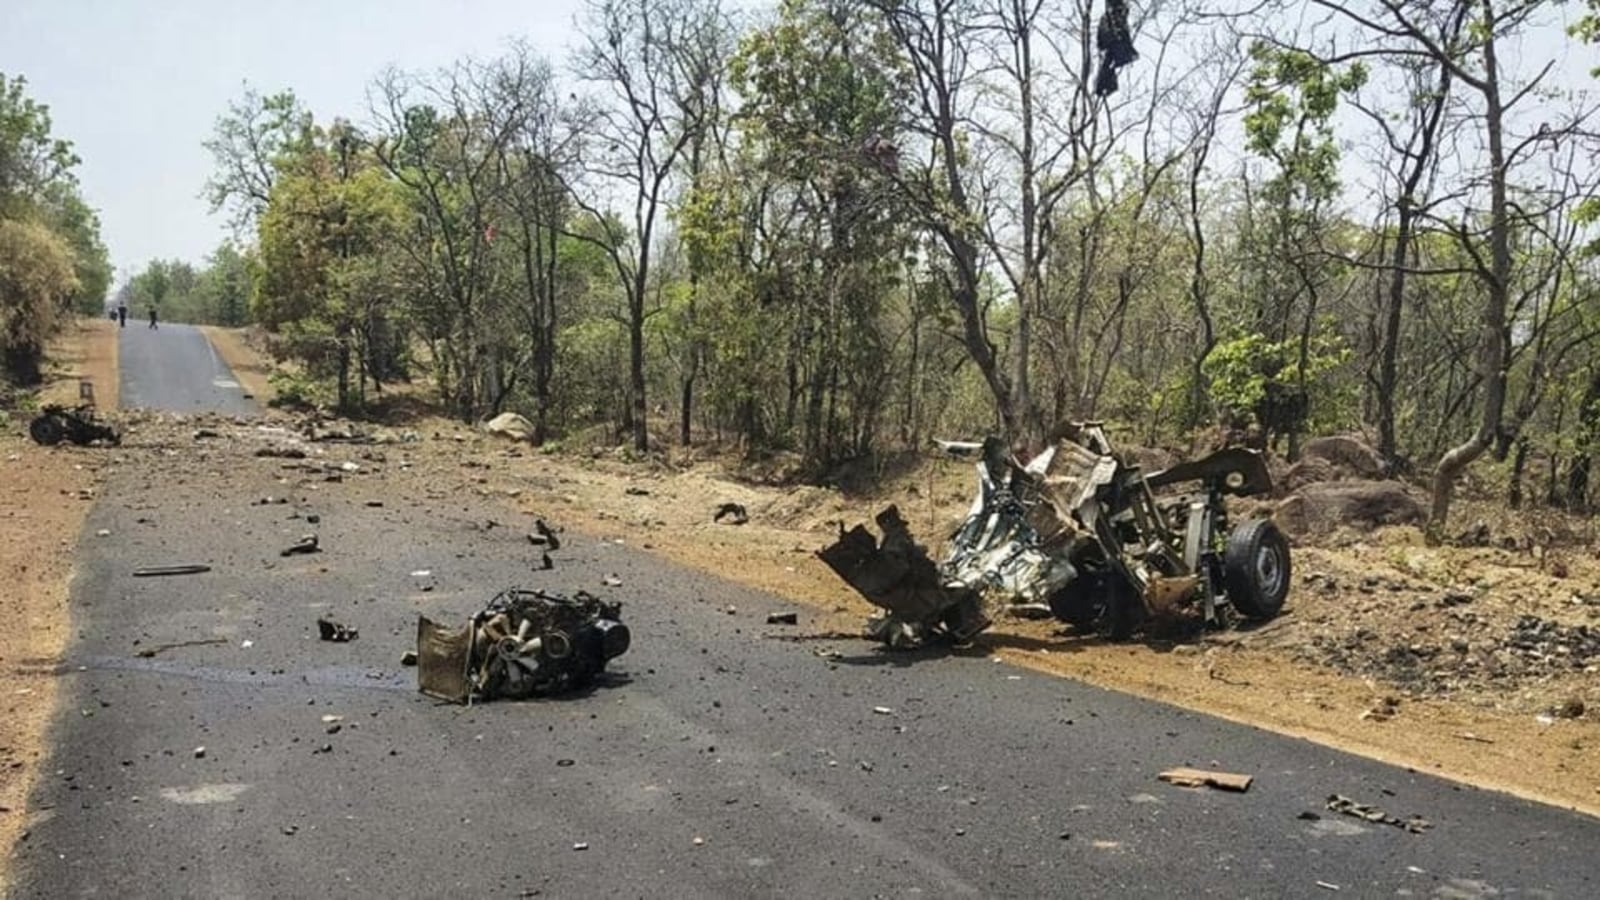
<point x="1269" y="570"/>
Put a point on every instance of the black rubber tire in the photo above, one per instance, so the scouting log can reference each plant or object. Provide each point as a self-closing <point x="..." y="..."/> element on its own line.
<point x="46" y="430"/>
<point x="1075" y="603"/>
<point x="1256" y="568"/>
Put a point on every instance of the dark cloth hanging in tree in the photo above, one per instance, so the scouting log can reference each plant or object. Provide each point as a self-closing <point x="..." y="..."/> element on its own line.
<point x="1115" y="44"/>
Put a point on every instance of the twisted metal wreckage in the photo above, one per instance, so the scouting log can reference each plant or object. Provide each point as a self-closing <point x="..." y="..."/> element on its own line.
<point x="1080" y="533"/>
<point x="523" y="644"/>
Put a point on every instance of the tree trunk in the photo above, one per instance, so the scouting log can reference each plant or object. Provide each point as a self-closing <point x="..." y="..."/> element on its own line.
<point x="1519" y="463"/>
<point x="1493" y="350"/>
<point x="1578" y="471"/>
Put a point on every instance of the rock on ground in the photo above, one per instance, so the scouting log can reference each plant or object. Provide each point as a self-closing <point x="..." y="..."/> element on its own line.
<point x="1316" y="507"/>
<point x="510" y="425"/>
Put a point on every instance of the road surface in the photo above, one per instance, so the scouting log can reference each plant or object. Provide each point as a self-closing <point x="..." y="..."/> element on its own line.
<point x="175" y="368"/>
<point x="718" y="761"/>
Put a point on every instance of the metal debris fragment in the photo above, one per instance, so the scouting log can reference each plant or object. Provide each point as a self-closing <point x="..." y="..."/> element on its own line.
<point x="330" y="630"/>
<point x="1342" y="804"/>
<point x="1227" y="781"/>
<point x="734" y="512"/>
<point x="307" y="544"/>
<point x="159" y="571"/>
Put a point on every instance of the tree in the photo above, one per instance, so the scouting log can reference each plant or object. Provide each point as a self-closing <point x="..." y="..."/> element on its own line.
<point x="324" y="276"/>
<point x="246" y="144"/>
<point x="844" y="233"/>
<point x="654" y="64"/>
<point x="37" y="185"/>
<point x="1484" y="228"/>
<point x="36" y="287"/>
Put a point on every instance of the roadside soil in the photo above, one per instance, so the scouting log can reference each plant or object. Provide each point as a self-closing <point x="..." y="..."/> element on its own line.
<point x="45" y="493"/>
<point x="250" y="367"/>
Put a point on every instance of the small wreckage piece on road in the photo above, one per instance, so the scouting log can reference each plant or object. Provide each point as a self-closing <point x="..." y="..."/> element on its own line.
<point x="76" y="424"/>
<point x="339" y="633"/>
<point x="1082" y="532"/>
<point x="523" y="644"/>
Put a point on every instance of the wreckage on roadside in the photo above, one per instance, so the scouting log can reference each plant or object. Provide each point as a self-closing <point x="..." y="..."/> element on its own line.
<point x="523" y="644"/>
<point x="1082" y="533"/>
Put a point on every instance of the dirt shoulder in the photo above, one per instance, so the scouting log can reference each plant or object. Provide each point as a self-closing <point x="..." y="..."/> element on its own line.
<point x="86" y="352"/>
<point x="250" y="367"/>
<point x="45" y="495"/>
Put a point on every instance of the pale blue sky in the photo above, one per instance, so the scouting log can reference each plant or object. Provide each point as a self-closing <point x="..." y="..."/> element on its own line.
<point x="138" y="84"/>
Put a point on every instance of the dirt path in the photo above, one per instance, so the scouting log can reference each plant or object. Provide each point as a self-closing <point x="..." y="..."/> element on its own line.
<point x="45" y="493"/>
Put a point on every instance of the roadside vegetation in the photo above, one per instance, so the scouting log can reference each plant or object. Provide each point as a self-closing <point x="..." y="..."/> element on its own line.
<point x="835" y="229"/>
<point x="52" y="262"/>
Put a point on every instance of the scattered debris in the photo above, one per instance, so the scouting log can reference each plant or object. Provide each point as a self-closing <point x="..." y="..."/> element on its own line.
<point x="333" y="631"/>
<point x="307" y="544"/>
<point x="1341" y="804"/>
<point x="883" y="710"/>
<point x="735" y="513"/>
<point x="150" y="652"/>
<point x="545" y="536"/>
<point x="1186" y="777"/>
<point x="1385" y="709"/>
<point x="200" y="753"/>
<point x="611" y="581"/>
<point x="1327" y="886"/>
<point x="76" y="424"/>
<point x="783" y="618"/>
<point x="1469" y="736"/>
<point x="159" y="571"/>
<point x="1570" y="708"/>
<point x="524" y="643"/>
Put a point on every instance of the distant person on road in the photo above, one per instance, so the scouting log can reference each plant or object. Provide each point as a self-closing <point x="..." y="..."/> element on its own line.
<point x="122" y="315"/>
<point x="153" y="317"/>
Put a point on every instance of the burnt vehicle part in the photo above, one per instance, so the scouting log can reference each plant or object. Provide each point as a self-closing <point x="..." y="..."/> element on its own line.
<point x="523" y="644"/>
<point x="76" y="424"/>
<point x="1083" y="531"/>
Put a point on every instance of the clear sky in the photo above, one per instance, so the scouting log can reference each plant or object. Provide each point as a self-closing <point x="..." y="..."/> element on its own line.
<point x="138" y="84"/>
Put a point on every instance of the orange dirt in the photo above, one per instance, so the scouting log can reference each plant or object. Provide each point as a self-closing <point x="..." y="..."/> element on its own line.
<point x="45" y="494"/>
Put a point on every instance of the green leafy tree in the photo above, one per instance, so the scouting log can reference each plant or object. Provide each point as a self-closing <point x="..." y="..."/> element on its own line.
<point x="39" y="199"/>
<point x="324" y="277"/>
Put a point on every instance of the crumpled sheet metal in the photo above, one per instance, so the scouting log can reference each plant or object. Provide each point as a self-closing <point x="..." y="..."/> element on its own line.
<point x="443" y="654"/>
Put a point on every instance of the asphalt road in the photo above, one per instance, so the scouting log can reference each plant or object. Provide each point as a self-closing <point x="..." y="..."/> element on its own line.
<point x="980" y="779"/>
<point x="175" y="368"/>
